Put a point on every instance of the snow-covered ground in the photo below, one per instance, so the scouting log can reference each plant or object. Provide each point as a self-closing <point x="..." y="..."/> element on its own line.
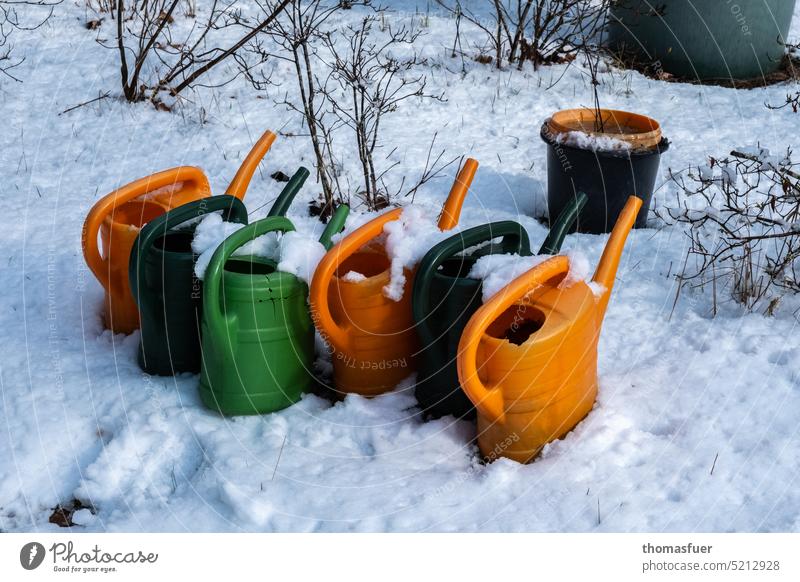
<point x="680" y="391"/>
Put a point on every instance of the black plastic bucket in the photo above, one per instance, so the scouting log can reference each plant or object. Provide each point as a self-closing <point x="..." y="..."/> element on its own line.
<point x="607" y="177"/>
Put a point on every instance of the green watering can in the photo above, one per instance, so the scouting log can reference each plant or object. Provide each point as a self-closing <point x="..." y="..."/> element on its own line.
<point x="165" y="287"/>
<point x="258" y="337"/>
<point x="444" y="298"/>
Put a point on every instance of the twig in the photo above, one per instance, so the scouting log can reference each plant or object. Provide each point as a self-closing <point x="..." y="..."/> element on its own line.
<point x="752" y="158"/>
<point x="89" y="102"/>
<point x="280" y="453"/>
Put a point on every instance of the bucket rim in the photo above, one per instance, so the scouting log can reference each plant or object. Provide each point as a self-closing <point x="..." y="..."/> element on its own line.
<point x="646" y="131"/>
<point x="636" y="152"/>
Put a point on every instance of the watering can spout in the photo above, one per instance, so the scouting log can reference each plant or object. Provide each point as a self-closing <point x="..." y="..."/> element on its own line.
<point x="609" y="262"/>
<point x="240" y="182"/>
<point x="455" y="200"/>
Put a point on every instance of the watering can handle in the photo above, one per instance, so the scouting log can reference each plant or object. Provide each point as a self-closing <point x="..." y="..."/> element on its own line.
<point x="515" y="240"/>
<point x="284" y="200"/>
<point x="107" y="205"/>
<point x="211" y="288"/>
<point x="334" y="226"/>
<point x="233" y="209"/>
<point x="558" y="231"/>
<point x="318" y="294"/>
<point x="451" y="211"/>
<point x="240" y="182"/>
<point x="489" y="400"/>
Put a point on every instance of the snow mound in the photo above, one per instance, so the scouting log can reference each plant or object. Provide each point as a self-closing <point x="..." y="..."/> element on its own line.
<point x="585" y="141"/>
<point x="300" y="255"/>
<point x="497" y="271"/>
<point x="208" y="235"/>
<point x="407" y="241"/>
<point x="295" y="252"/>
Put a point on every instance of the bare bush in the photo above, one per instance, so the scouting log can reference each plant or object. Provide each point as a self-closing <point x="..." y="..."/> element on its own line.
<point x="296" y="37"/>
<point x="375" y="82"/>
<point x="348" y="80"/>
<point x="743" y="219"/>
<point x="540" y="31"/>
<point x="157" y="60"/>
<point x="39" y="11"/>
<point x="792" y="101"/>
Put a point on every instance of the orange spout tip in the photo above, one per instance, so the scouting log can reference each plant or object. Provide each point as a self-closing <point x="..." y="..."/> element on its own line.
<point x="241" y="181"/>
<point x="451" y="211"/>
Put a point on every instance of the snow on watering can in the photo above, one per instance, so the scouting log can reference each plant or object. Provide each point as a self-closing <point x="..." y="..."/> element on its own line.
<point x="528" y="357"/>
<point x="257" y="334"/>
<point x="444" y="298"/>
<point x="119" y="216"/>
<point x="164" y="284"/>
<point x="371" y="337"/>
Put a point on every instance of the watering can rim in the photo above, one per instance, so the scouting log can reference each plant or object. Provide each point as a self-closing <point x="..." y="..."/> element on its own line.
<point x="546" y="332"/>
<point x="276" y="277"/>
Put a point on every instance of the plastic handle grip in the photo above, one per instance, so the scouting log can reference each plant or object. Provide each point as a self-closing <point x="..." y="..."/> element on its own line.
<point x="241" y="181"/>
<point x="318" y="294"/>
<point x="489" y="400"/>
<point x="233" y="209"/>
<point x="334" y="226"/>
<point x="560" y="228"/>
<point x="451" y="211"/>
<point x="284" y="200"/>
<point x="212" y="308"/>
<point x="107" y="204"/>
<point x="515" y="239"/>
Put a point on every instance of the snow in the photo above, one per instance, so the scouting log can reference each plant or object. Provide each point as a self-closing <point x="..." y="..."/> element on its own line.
<point x="208" y="235"/>
<point x="497" y="271"/>
<point x="300" y="255"/>
<point x="407" y="241"/>
<point x="680" y="391"/>
<point x="593" y="142"/>
<point x="296" y="252"/>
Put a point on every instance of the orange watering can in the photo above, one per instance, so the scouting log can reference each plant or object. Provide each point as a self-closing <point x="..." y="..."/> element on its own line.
<point x="119" y="216"/>
<point x="528" y="357"/>
<point x="371" y="337"/>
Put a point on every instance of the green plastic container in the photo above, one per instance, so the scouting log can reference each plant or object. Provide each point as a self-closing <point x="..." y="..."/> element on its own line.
<point x="703" y="39"/>
<point x="166" y="290"/>
<point x="444" y="299"/>
<point x="257" y="333"/>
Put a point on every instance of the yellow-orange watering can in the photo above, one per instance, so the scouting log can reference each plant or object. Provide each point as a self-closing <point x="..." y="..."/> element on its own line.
<point x="371" y="337"/>
<point x="528" y="357"/>
<point x="119" y="216"/>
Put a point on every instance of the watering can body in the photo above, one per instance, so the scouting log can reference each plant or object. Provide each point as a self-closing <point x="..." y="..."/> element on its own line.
<point x="444" y="299"/>
<point x="370" y="336"/>
<point x="257" y="336"/>
<point x="119" y="216"/>
<point x="528" y="357"/>
<point x="257" y="333"/>
<point x="381" y="343"/>
<point x="166" y="289"/>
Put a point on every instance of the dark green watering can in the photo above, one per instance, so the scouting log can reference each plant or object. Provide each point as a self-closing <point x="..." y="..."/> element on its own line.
<point x="258" y="337"/>
<point x="164" y="284"/>
<point x="444" y="299"/>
